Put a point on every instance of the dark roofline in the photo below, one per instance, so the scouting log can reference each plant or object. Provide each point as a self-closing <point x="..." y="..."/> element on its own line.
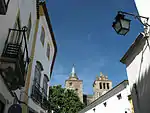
<point x="107" y="95"/>
<point x="131" y="48"/>
<point x="52" y="33"/>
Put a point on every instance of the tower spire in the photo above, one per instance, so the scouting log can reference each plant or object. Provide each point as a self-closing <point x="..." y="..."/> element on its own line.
<point x="73" y="73"/>
<point x="73" y="70"/>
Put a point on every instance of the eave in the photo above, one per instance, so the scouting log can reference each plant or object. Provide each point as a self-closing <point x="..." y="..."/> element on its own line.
<point x="43" y="4"/>
<point x="132" y="47"/>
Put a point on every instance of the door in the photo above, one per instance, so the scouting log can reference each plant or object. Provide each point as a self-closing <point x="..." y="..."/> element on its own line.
<point x="2" y="105"/>
<point x="15" y="35"/>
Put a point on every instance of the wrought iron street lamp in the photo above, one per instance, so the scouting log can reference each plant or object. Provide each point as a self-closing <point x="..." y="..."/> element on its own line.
<point x="122" y="25"/>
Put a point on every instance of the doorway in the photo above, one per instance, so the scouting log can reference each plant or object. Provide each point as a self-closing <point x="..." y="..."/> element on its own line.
<point x="2" y="105"/>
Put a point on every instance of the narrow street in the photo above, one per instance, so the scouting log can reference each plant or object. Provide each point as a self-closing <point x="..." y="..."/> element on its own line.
<point x="74" y="56"/>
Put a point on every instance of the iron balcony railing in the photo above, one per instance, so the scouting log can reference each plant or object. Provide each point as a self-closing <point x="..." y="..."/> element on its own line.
<point x="14" y="59"/>
<point x="36" y="94"/>
<point x="39" y="95"/>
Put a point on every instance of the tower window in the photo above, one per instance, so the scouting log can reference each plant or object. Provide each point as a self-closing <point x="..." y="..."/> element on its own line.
<point x="107" y="85"/>
<point x="70" y="83"/>
<point x="76" y="89"/>
<point x="100" y="85"/>
<point x="104" y="85"/>
<point x="119" y="96"/>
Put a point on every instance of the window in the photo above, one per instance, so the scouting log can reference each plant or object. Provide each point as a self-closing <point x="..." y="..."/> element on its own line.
<point x="100" y="85"/>
<point x="37" y="73"/>
<point x="76" y="89"/>
<point x="105" y="104"/>
<point x="45" y="83"/>
<point x="104" y="85"/>
<point x="48" y="50"/>
<point x="129" y="97"/>
<point x="42" y="38"/>
<point x="15" y="35"/>
<point x="2" y="105"/>
<point x="119" y="96"/>
<point x="107" y="85"/>
<point x="99" y="94"/>
<point x="29" y="27"/>
<point x="70" y="83"/>
<point x="94" y="109"/>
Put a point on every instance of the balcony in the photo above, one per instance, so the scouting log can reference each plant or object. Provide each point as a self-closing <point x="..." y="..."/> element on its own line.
<point x="3" y="6"/>
<point x="36" y="94"/>
<point x="14" y="59"/>
<point x="39" y="96"/>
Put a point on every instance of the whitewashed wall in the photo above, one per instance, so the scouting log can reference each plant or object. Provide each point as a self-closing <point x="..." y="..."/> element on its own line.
<point x="26" y="7"/>
<point x="113" y="104"/>
<point x="40" y="55"/>
<point x="7" y="21"/>
<point x="143" y="7"/>
<point x="138" y="71"/>
<point x="138" y="66"/>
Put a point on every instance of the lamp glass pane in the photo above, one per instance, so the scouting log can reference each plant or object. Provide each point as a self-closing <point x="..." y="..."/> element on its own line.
<point x="125" y="23"/>
<point x="117" y="26"/>
<point x="123" y="31"/>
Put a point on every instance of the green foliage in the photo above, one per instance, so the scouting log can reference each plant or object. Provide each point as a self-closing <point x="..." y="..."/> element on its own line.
<point x="63" y="100"/>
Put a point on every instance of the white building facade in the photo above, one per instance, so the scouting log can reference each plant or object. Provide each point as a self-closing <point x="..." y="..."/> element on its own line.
<point x="26" y="55"/>
<point x="43" y="60"/>
<point x="114" y="101"/>
<point x="137" y="64"/>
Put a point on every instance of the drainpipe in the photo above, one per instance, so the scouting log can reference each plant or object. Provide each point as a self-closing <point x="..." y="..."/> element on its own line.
<point x="137" y="96"/>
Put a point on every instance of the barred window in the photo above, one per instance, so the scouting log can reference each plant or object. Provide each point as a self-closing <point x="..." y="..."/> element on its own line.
<point x="45" y="84"/>
<point x="37" y="73"/>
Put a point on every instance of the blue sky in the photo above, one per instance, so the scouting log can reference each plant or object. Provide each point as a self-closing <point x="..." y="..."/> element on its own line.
<point x="85" y="38"/>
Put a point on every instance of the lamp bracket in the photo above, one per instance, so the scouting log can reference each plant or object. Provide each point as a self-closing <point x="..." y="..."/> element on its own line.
<point x="145" y="23"/>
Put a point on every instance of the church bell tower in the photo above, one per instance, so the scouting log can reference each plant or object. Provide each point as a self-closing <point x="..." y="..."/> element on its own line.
<point x="101" y="85"/>
<point x="74" y="83"/>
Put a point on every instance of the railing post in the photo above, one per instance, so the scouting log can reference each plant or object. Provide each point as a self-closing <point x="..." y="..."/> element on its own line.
<point x="24" y="30"/>
<point x="7" y="4"/>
